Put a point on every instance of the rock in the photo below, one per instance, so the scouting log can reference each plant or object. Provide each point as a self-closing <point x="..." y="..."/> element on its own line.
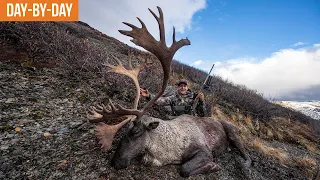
<point x="4" y="147"/>
<point x="23" y="131"/>
<point x="17" y="129"/>
<point x="75" y="124"/>
<point x="9" y="135"/>
<point x="46" y="134"/>
<point x="13" y="141"/>
<point x="62" y="131"/>
<point x="49" y="129"/>
<point x="18" y="151"/>
<point x="10" y="100"/>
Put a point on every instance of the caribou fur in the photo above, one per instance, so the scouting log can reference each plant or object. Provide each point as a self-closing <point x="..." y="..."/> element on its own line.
<point x="187" y="140"/>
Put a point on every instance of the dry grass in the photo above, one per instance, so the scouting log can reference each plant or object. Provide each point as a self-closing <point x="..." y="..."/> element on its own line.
<point x="309" y="145"/>
<point x="296" y="133"/>
<point x="308" y="165"/>
<point x="219" y="114"/>
<point x="271" y="152"/>
<point x="280" y="129"/>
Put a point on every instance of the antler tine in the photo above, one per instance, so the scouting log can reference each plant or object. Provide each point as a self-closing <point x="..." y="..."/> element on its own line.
<point x="118" y="60"/>
<point x="118" y="109"/>
<point x="130" y="59"/>
<point x="130" y="25"/>
<point x="106" y="133"/>
<point x="146" y="59"/>
<point x="103" y="114"/>
<point x="94" y="115"/>
<point x="142" y="23"/>
<point x="174" y="35"/>
<point x="161" y="24"/>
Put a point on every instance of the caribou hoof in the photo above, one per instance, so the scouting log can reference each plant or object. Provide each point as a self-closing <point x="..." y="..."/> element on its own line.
<point x="205" y="169"/>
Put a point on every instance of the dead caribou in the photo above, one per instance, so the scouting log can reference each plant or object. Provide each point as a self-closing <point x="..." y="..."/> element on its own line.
<point x="187" y="140"/>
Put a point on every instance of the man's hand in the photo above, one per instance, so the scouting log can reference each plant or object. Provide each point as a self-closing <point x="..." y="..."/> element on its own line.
<point x="200" y="96"/>
<point x="144" y="93"/>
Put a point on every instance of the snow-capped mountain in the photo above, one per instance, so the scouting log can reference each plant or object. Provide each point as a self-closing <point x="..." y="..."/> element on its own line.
<point x="309" y="108"/>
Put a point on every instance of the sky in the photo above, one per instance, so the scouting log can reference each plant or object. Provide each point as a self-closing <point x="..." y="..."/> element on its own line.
<point x="271" y="46"/>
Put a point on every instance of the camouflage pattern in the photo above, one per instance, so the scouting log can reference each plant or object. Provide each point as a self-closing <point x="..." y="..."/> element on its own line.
<point x="181" y="103"/>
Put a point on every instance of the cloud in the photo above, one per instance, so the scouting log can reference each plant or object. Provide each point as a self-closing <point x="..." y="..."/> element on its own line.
<point x="311" y="93"/>
<point x="197" y="63"/>
<point x="286" y="74"/>
<point x="223" y="3"/>
<point x="298" y="44"/>
<point x="108" y="15"/>
<point x="316" y="45"/>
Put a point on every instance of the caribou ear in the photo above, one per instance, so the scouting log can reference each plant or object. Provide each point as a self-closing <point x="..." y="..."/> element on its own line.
<point x="153" y="125"/>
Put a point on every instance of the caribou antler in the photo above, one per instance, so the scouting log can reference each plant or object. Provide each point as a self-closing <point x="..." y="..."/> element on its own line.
<point x="101" y="112"/>
<point x="105" y="132"/>
<point x="131" y="72"/>
<point x="143" y="38"/>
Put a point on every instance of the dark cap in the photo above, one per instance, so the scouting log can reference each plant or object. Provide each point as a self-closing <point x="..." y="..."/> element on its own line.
<point x="182" y="81"/>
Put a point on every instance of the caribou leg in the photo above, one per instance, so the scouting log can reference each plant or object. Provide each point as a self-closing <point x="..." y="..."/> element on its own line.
<point x="234" y="139"/>
<point x="200" y="163"/>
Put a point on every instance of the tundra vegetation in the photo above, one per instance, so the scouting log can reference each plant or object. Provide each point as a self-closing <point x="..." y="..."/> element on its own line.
<point x="69" y="60"/>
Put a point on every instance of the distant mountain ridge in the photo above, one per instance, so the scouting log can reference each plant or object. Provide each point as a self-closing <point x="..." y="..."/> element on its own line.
<point x="309" y="108"/>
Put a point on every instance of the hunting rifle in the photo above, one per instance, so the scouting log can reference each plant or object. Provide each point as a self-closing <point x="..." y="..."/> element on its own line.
<point x="195" y="103"/>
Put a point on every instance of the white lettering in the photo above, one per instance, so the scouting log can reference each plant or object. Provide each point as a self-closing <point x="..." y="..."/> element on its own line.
<point x="16" y="10"/>
<point x="43" y="8"/>
<point x="62" y="10"/>
<point x="24" y="8"/>
<point x="10" y="10"/>
<point x="69" y="8"/>
<point x="55" y="10"/>
<point x="36" y="11"/>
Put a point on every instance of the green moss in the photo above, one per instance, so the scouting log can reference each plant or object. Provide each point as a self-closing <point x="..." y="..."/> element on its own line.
<point x="83" y="97"/>
<point x="33" y="99"/>
<point x="37" y="114"/>
<point x="5" y="128"/>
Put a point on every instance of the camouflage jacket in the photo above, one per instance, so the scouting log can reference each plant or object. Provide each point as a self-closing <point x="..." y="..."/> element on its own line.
<point x="181" y="103"/>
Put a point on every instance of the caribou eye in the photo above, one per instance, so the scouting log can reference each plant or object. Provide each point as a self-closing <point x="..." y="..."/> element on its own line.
<point x="135" y="132"/>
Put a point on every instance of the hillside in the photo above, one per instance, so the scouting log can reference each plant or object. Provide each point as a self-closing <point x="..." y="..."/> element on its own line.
<point x="52" y="72"/>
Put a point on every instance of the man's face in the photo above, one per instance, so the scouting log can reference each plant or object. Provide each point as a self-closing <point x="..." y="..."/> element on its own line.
<point x="182" y="88"/>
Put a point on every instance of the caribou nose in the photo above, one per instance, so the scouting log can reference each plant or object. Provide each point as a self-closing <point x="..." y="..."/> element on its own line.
<point x="120" y="163"/>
